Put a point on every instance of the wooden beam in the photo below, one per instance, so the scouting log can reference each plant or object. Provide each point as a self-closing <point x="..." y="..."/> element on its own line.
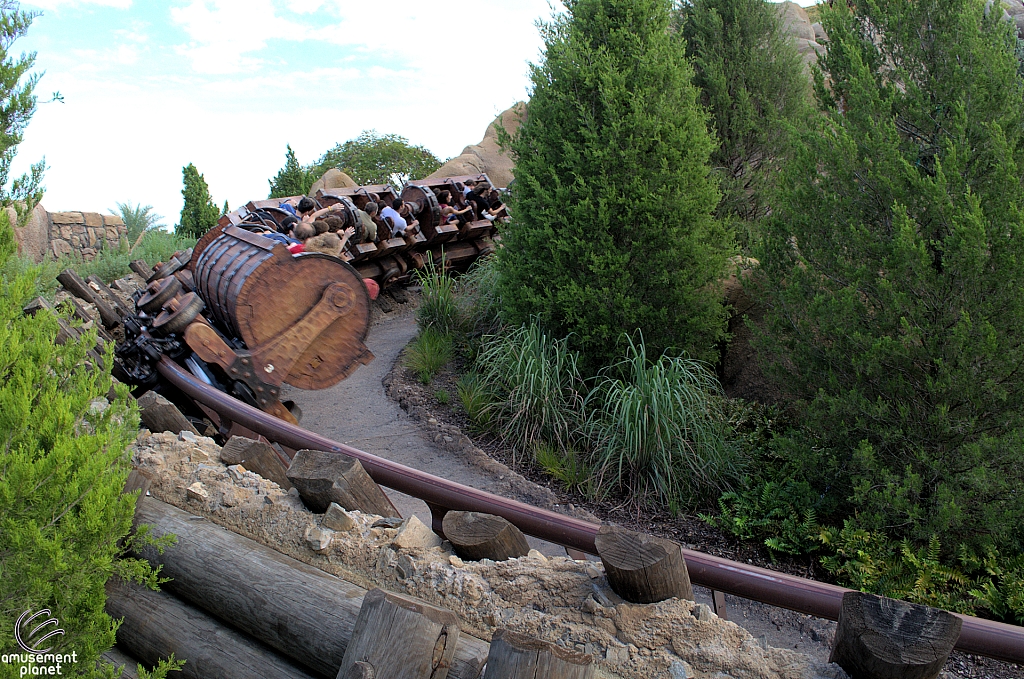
<point x="475" y="536"/>
<point x="95" y="283"/>
<point x="322" y="478"/>
<point x="517" y="656"/>
<point x="429" y="636"/>
<point x="641" y="568"/>
<point x="880" y="638"/>
<point x="303" y="612"/>
<point x="74" y="284"/>
<point x="157" y="624"/>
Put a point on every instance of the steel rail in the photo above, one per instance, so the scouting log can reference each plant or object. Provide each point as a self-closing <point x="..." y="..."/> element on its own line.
<point x="983" y="637"/>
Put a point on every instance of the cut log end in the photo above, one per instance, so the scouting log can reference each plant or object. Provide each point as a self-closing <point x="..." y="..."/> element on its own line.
<point x="322" y="478"/>
<point x="517" y="656"/>
<point x="476" y="536"/>
<point x="641" y="568"/>
<point x="891" y="639"/>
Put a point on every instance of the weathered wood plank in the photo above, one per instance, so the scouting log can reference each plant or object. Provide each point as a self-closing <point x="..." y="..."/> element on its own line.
<point x="118" y="658"/>
<point x="74" y="284"/>
<point x="880" y="638"/>
<point x="642" y="568"/>
<point x="99" y="287"/>
<point x="428" y="637"/>
<point x="301" y="611"/>
<point x="157" y="624"/>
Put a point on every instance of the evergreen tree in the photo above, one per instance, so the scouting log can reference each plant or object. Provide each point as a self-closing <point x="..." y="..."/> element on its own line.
<point x="17" y="86"/>
<point x="198" y="214"/>
<point x="752" y="82"/>
<point x="612" y="228"/>
<point x="292" y="179"/>
<point x="373" y="158"/>
<point x="893" y="274"/>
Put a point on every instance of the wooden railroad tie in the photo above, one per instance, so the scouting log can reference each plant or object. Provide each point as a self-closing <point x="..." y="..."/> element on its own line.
<point x="256" y="456"/>
<point x="476" y="536"/>
<point x="641" y="568"/>
<point x="322" y="478"/>
<point x="517" y="656"/>
<point x="79" y="288"/>
<point x="880" y="638"/>
<point x="428" y="638"/>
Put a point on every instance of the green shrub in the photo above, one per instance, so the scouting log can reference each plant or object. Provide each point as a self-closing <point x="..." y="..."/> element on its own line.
<point x="611" y="225"/>
<point x="779" y="514"/>
<point x="428" y="353"/>
<point x="477" y="294"/>
<point x="438" y="308"/>
<point x="658" y="431"/>
<point x="64" y="461"/>
<point x="893" y="276"/>
<point x="198" y="213"/>
<point x="442" y="396"/>
<point x="159" y="245"/>
<point x="137" y="219"/>
<point x="535" y="385"/>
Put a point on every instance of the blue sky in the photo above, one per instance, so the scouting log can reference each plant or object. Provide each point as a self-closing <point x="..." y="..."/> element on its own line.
<point x="150" y="86"/>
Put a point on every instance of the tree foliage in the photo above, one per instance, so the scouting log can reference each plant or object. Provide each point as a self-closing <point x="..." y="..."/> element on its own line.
<point x="17" y="104"/>
<point x="893" y="275"/>
<point x="198" y="214"/>
<point x="64" y="464"/>
<point x="372" y="158"/>
<point x="752" y="82"/>
<point x="137" y="219"/>
<point x="292" y="179"/>
<point x="612" y="228"/>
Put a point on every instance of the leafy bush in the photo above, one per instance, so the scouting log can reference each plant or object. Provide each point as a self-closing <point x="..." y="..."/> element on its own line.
<point x="611" y="225"/>
<point x="439" y="309"/>
<point x="659" y="431"/>
<point x="780" y="514"/>
<point x="64" y="460"/>
<point x="568" y="466"/>
<point x="536" y="386"/>
<point x="428" y="353"/>
<point x="159" y="245"/>
<point x="893" y="276"/>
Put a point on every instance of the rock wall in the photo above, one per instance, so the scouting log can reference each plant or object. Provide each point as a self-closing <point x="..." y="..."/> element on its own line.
<point x="52" y="235"/>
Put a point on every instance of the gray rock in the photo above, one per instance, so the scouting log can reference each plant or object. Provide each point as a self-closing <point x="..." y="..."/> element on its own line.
<point x="319" y="539"/>
<point x="336" y="518"/>
<point x="414" y="534"/>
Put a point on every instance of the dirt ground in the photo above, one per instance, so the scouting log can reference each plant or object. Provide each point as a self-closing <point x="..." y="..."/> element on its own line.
<point x="382" y="409"/>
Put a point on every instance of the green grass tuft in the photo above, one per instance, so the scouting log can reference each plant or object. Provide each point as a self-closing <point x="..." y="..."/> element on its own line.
<point x="428" y="353"/>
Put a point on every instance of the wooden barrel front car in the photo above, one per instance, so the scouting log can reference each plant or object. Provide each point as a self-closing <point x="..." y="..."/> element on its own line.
<point x="257" y="291"/>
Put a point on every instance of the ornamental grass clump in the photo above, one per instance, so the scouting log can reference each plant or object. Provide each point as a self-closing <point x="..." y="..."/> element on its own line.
<point x="657" y="431"/>
<point x="536" y="386"/>
<point x="439" y="310"/>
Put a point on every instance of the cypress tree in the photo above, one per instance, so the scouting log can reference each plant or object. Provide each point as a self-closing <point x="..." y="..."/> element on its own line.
<point x="198" y="214"/>
<point x="893" y="273"/>
<point x="612" y="228"/>
<point x="292" y="179"/>
<point x="752" y="82"/>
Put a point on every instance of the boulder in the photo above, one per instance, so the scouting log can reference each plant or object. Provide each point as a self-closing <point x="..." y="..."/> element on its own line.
<point x="795" y="20"/>
<point x="33" y="238"/>
<point x="487" y="156"/>
<point x="332" y="179"/>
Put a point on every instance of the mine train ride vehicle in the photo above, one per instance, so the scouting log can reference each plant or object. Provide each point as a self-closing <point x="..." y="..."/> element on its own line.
<point x="243" y="314"/>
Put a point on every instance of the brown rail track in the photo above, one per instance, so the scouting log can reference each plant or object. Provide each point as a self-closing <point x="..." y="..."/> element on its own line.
<point x="982" y="637"/>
